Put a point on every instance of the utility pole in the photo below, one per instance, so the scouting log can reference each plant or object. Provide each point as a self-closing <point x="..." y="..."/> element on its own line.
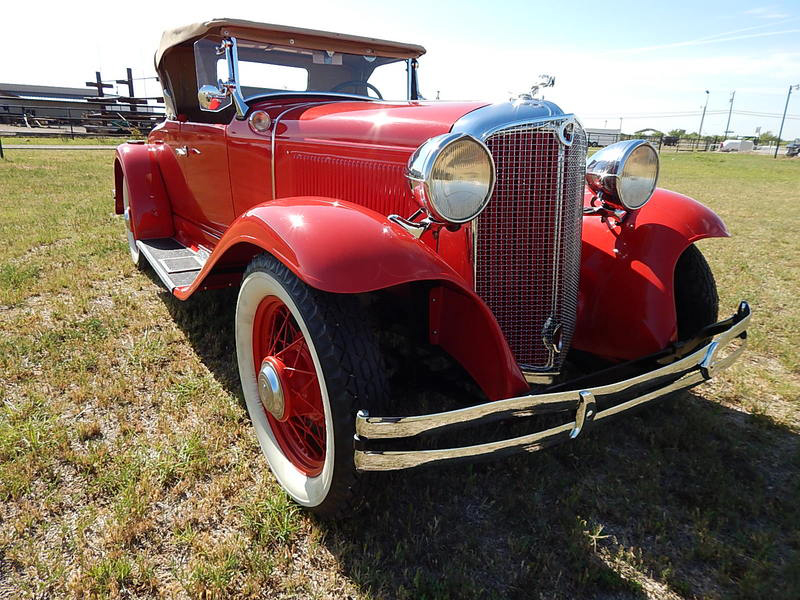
<point x="785" y="108"/>
<point x="703" y="118"/>
<point x="730" y="110"/>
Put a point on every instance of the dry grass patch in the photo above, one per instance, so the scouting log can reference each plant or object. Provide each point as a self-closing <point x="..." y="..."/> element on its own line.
<point x="128" y="467"/>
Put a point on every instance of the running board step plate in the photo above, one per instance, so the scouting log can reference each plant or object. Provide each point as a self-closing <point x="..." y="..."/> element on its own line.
<point x="175" y="264"/>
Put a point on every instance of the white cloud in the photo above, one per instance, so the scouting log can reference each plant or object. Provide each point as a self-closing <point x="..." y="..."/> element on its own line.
<point x="704" y="41"/>
<point x="765" y="12"/>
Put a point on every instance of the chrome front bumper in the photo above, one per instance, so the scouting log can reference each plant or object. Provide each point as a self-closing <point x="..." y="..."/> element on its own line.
<point x="684" y="372"/>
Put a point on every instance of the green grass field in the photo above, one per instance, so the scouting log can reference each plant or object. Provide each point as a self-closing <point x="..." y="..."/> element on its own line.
<point x="64" y="140"/>
<point x="128" y="467"/>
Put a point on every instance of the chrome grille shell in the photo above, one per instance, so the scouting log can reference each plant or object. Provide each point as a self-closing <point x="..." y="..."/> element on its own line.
<point x="527" y="241"/>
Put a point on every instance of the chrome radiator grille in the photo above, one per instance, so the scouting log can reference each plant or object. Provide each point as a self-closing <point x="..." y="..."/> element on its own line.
<point x="528" y="240"/>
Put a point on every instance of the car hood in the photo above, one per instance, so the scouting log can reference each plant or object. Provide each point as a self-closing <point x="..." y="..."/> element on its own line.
<point x="390" y="124"/>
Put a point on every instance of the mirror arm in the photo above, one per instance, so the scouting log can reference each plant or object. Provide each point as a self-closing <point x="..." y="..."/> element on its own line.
<point x="232" y="85"/>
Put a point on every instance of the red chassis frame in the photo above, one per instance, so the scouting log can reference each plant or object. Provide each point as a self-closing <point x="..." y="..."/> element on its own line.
<point x="626" y="305"/>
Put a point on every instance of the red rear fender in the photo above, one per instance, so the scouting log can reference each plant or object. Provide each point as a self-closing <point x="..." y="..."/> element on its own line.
<point x="626" y="304"/>
<point x="136" y="165"/>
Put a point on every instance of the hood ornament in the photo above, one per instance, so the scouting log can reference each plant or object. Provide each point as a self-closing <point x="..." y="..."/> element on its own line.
<point x="545" y="81"/>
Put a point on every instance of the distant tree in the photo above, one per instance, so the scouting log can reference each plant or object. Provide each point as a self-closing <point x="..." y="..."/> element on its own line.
<point x="649" y="133"/>
<point x="679" y="133"/>
<point x="767" y="137"/>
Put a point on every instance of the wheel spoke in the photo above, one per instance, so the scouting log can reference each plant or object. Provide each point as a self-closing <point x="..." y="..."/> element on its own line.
<point x="302" y="434"/>
<point x="277" y="332"/>
<point x="289" y="331"/>
<point x="296" y="370"/>
<point x="306" y="435"/>
<point x="308" y="410"/>
<point x="292" y="345"/>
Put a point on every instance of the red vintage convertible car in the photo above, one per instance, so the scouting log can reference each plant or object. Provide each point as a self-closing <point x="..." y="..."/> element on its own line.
<point x="463" y="246"/>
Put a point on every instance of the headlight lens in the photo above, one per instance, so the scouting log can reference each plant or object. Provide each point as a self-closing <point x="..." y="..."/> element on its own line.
<point x="624" y="173"/>
<point x="457" y="173"/>
<point x="639" y="176"/>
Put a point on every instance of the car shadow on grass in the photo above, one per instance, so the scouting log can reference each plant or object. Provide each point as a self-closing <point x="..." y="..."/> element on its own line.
<point x="207" y="320"/>
<point x="687" y="498"/>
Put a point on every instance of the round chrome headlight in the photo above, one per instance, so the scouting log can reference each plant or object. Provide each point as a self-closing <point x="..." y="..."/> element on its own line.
<point x="456" y="172"/>
<point x="624" y="174"/>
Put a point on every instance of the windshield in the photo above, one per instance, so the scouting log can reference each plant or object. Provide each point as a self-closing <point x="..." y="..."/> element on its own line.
<point x="270" y="69"/>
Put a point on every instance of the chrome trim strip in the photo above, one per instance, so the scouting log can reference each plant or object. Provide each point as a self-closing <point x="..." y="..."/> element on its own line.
<point x="232" y="58"/>
<point x="483" y="122"/>
<point x="511" y="125"/>
<point x="554" y="295"/>
<point x="275" y="123"/>
<point x="394" y="460"/>
<point x="409" y="70"/>
<point x="701" y="362"/>
<point x="331" y="95"/>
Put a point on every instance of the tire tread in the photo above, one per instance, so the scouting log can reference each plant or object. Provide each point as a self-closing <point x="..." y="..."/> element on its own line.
<point x="354" y="375"/>
<point x="696" y="298"/>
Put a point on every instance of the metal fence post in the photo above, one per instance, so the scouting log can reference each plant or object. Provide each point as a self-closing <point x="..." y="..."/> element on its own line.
<point x="1" y="148"/>
<point x="69" y="116"/>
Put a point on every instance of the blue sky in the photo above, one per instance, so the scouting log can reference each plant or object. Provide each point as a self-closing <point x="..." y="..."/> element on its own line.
<point x="636" y="60"/>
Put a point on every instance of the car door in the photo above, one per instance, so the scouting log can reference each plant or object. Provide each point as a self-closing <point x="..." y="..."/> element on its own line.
<point x="202" y="154"/>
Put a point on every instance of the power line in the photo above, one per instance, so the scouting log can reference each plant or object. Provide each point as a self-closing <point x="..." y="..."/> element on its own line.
<point x="691" y="114"/>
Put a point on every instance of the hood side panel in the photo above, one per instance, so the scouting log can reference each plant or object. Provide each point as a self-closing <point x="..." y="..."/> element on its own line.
<point x="376" y="184"/>
<point x="357" y="151"/>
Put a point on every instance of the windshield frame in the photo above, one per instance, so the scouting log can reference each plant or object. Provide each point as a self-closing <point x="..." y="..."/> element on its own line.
<point x="233" y="86"/>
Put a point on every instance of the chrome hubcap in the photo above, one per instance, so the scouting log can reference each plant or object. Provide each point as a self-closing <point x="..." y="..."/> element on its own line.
<point x="270" y="390"/>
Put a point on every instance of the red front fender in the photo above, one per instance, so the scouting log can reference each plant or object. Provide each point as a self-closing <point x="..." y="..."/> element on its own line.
<point x="344" y="248"/>
<point x="332" y="245"/>
<point x="626" y="304"/>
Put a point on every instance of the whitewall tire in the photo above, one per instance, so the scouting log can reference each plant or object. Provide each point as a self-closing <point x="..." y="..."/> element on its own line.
<point x="307" y="362"/>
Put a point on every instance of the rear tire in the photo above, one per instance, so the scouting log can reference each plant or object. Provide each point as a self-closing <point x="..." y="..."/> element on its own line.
<point x="327" y="365"/>
<point x="136" y="256"/>
<point x="696" y="298"/>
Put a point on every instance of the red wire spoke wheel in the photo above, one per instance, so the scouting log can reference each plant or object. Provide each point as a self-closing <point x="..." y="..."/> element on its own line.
<point x="308" y="362"/>
<point x="288" y="386"/>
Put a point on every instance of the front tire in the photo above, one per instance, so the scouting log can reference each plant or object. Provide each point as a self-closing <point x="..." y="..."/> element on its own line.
<point x="307" y="362"/>
<point x="696" y="298"/>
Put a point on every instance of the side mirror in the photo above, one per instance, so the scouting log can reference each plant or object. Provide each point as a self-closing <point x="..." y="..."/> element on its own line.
<point x="213" y="99"/>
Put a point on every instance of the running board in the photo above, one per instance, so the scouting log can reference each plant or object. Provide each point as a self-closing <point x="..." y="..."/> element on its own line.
<point x="175" y="264"/>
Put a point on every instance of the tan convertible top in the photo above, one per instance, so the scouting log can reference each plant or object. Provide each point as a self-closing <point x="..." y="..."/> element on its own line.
<point x="286" y="36"/>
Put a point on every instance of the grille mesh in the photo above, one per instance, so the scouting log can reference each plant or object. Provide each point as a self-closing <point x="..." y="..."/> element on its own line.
<point x="527" y="254"/>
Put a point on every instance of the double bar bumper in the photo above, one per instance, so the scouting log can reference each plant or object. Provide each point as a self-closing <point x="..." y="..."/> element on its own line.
<point x="697" y="367"/>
